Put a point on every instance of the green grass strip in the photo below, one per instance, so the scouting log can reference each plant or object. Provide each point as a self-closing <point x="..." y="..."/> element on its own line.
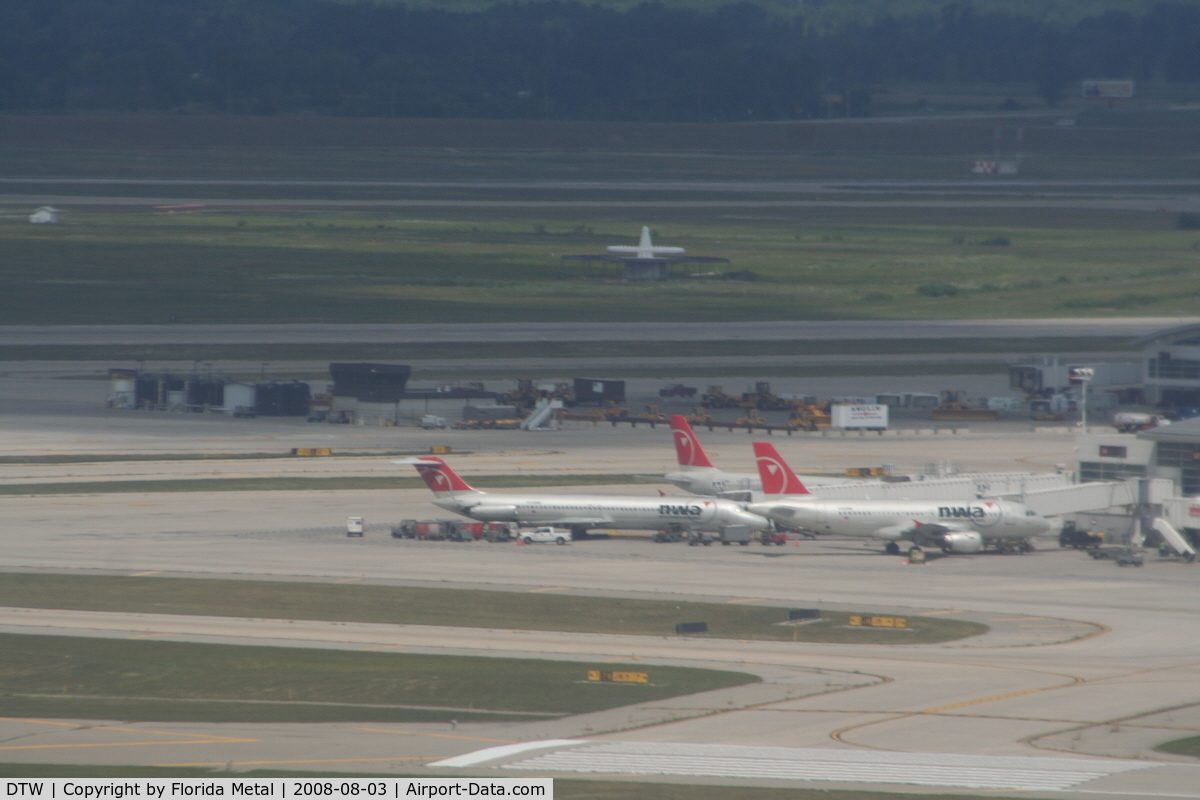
<point x="308" y="484"/>
<point x="1189" y="746"/>
<point x="454" y="607"/>
<point x="161" y="681"/>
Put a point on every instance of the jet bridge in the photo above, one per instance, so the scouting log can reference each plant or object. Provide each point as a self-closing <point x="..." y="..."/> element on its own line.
<point x="970" y="486"/>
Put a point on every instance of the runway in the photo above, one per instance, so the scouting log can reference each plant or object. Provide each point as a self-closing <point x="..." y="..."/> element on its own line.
<point x="429" y="333"/>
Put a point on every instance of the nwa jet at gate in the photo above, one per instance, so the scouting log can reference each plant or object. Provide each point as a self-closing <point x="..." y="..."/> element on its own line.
<point x="954" y="526"/>
<point x="698" y="475"/>
<point x="580" y="512"/>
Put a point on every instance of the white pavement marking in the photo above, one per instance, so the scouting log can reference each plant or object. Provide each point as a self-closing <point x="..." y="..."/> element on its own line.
<point x="502" y="751"/>
<point x="922" y="769"/>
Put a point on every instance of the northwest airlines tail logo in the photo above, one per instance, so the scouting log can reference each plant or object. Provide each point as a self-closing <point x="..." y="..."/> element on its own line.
<point x="777" y="477"/>
<point x="440" y="478"/>
<point x="774" y="478"/>
<point x="687" y="447"/>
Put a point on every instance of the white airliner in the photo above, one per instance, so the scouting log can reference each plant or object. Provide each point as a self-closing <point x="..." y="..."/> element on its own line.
<point x="580" y="512"/>
<point x="698" y="475"/>
<point x="955" y="526"/>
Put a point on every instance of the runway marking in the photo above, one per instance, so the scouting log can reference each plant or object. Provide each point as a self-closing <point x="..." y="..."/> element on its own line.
<point x="150" y="572"/>
<point x="116" y="744"/>
<point x="436" y="735"/>
<point x="935" y="613"/>
<point x="55" y="723"/>
<point x="744" y="600"/>
<point x="298" y="761"/>
<point x="548" y="589"/>
<point x="1074" y="682"/>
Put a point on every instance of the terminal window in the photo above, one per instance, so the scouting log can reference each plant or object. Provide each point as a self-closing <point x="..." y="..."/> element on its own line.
<point x="1173" y="368"/>
<point x="1108" y="471"/>
<point x="1113" y="451"/>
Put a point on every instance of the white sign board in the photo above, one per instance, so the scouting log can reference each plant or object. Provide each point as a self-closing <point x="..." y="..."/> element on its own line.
<point x="859" y="415"/>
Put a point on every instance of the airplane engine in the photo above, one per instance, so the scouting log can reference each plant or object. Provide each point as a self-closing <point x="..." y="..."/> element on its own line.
<point x="962" y="542"/>
<point x="492" y="513"/>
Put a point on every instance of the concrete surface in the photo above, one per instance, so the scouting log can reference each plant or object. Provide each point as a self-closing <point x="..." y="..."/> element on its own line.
<point x="1109" y="670"/>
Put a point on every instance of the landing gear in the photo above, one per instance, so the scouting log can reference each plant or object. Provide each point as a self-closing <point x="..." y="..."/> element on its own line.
<point x="892" y="549"/>
<point x="578" y="534"/>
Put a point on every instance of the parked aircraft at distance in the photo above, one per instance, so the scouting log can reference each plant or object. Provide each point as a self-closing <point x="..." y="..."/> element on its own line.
<point x="954" y="526"/>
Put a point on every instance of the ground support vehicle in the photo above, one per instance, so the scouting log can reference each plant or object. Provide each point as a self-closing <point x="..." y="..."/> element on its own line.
<point x="1124" y="556"/>
<point x="699" y="537"/>
<point x="501" y="531"/>
<point x="768" y="538"/>
<point x="1130" y="557"/>
<point x="431" y="529"/>
<point x="1070" y="536"/>
<point x="464" y="531"/>
<point x="355" y="526"/>
<point x="545" y="534"/>
<point x="669" y="535"/>
<point x="677" y="390"/>
<point x="739" y="534"/>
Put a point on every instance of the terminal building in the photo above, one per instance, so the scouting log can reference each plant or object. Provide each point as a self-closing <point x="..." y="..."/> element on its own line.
<point x="1168" y="451"/>
<point x="1171" y="367"/>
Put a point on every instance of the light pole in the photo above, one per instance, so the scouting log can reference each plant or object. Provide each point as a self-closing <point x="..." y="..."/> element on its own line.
<point x="1084" y="376"/>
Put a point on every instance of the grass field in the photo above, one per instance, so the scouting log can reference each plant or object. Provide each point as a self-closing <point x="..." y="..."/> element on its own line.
<point x="307" y="484"/>
<point x="476" y="253"/>
<point x="74" y="677"/>
<point x="1189" y="746"/>
<point x="469" y="608"/>
<point x="104" y="268"/>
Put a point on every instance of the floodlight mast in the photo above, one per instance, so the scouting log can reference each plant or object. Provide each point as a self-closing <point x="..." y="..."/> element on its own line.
<point x="1084" y="376"/>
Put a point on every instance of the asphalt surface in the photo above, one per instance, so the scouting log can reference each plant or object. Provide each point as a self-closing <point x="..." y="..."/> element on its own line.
<point x="428" y="333"/>
<point x="1164" y="203"/>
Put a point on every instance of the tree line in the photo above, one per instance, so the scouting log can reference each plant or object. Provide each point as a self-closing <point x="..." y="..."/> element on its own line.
<point x="546" y="60"/>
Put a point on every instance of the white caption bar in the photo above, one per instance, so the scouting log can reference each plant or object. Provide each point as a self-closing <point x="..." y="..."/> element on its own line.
<point x="280" y="788"/>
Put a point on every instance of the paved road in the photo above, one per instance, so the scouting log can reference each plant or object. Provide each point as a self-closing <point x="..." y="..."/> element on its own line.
<point x="427" y="333"/>
<point x="1163" y="203"/>
<point x="978" y="185"/>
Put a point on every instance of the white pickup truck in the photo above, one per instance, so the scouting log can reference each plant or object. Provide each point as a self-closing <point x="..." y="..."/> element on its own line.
<point x="545" y="535"/>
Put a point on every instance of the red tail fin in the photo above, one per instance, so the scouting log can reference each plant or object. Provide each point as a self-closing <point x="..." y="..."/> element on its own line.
<point x="777" y="476"/>
<point x="687" y="447"/>
<point x="437" y="474"/>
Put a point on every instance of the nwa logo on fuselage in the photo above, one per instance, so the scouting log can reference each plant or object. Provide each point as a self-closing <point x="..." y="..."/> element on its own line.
<point x="680" y="511"/>
<point x="981" y="515"/>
